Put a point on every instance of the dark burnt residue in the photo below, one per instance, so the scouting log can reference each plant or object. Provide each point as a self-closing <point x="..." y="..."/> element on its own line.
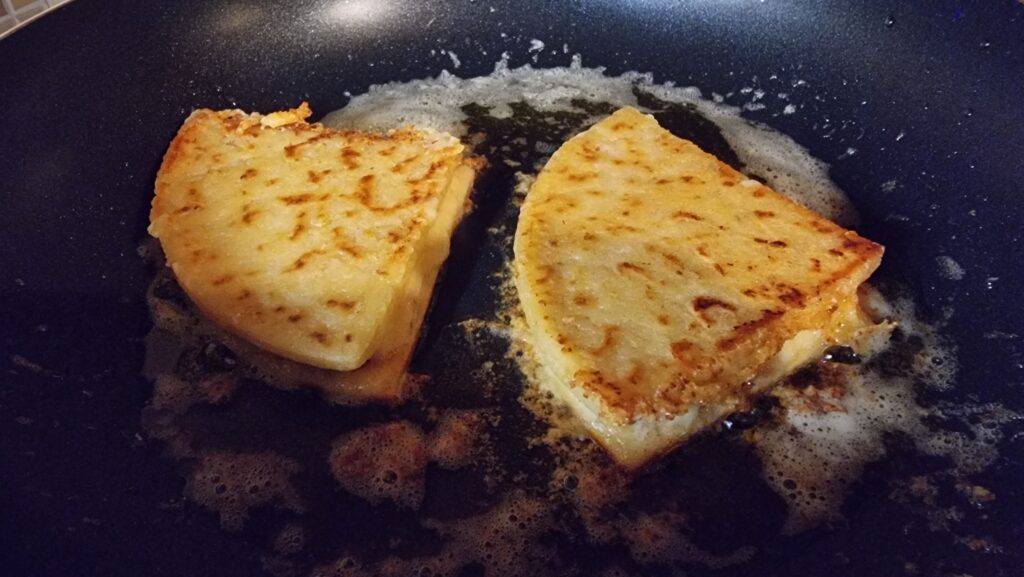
<point x="898" y="359"/>
<point x="843" y="355"/>
<point x="762" y="408"/>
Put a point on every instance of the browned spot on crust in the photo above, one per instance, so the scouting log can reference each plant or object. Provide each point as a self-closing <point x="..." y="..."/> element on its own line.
<point x="365" y="194"/>
<point x="249" y="173"/>
<point x="315" y="176"/>
<point x="620" y="228"/>
<point x="702" y="250"/>
<point x="790" y="295"/>
<point x="292" y="149"/>
<point x="341" y="304"/>
<point x="775" y="243"/>
<point x="341" y="242"/>
<point x="403" y="164"/>
<point x="348" y="337"/>
<point x="610" y="340"/>
<point x="860" y="245"/>
<point x="435" y="167"/>
<point x="744" y="330"/>
<point x="624" y="266"/>
<point x="546" y="272"/>
<point x="293" y="199"/>
<point x="672" y="259"/>
<point x="296" y="317"/>
<point x="582" y="300"/>
<point x="303" y="260"/>
<point x="821" y="225"/>
<point x="835" y="252"/>
<point x="250" y="214"/>
<point x="815" y="265"/>
<point x="663" y="320"/>
<point x="588" y="152"/>
<point x="687" y="215"/>
<point x="758" y="192"/>
<point x="320" y="337"/>
<point x="223" y="280"/>
<point x="297" y="231"/>
<point x="763" y="213"/>
<point x="350" y="157"/>
<point x="681" y="350"/>
<point x="702" y="304"/>
<point x="580" y="176"/>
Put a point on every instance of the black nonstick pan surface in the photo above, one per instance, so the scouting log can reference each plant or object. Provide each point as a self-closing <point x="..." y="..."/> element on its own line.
<point x="927" y="93"/>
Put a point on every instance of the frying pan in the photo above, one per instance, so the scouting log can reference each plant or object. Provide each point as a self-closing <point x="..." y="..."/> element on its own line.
<point x="917" y="106"/>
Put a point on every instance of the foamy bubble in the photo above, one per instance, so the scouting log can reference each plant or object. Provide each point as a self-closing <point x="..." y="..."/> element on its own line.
<point x="812" y="456"/>
<point x="290" y="540"/>
<point x="659" y="538"/>
<point x="503" y="541"/>
<point x="231" y="484"/>
<point x="382" y="462"/>
<point x="456" y="439"/>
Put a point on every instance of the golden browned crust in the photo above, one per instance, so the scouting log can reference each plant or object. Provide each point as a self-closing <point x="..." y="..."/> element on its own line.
<point x="659" y="278"/>
<point x="314" y="249"/>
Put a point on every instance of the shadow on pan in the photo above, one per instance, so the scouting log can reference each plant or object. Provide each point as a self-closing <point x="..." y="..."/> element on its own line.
<point x="926" y="96"/>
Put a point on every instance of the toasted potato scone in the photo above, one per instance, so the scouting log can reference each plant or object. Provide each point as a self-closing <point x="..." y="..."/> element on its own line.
<point x="662" y="288"/>
<point x="316" y="249"/>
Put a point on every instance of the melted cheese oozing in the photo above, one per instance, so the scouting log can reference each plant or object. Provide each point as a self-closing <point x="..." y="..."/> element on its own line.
<point x="663" y="289"/>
